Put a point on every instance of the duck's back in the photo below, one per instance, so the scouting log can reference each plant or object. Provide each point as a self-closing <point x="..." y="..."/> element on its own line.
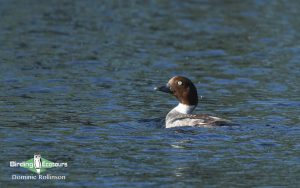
<point x="177" y="119"/>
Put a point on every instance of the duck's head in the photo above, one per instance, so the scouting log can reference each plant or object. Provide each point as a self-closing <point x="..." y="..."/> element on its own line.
<point x="183" y="89"/>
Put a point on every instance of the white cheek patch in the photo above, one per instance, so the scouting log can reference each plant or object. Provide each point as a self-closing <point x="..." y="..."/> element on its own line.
<point x="179" y="83"/>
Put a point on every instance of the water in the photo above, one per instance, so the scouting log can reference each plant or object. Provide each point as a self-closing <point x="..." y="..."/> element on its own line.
<point x="77" y="82"/>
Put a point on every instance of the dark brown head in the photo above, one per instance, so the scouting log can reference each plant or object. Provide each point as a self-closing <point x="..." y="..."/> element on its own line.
<point x="182" y="88"/>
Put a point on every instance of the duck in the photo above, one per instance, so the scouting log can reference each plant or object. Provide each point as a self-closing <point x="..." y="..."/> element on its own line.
<point x="186" y="93"/>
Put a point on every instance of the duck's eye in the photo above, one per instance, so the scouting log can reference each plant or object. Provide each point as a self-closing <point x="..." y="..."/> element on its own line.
<point x="179" y="83"/>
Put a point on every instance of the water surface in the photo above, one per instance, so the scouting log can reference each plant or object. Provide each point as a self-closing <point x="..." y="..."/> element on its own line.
<point x="77" y="82"/>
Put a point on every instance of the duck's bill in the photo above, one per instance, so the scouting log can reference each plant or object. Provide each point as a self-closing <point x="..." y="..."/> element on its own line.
<point x="165" y="89"/>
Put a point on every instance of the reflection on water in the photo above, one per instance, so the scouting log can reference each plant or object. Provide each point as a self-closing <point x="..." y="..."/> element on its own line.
<point x="77" y="82"/>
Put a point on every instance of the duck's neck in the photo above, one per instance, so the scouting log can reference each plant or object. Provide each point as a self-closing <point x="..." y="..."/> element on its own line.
<point x="184" y="109"/>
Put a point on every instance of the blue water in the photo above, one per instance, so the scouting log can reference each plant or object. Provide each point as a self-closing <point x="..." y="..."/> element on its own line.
<point x="77" y="81"/>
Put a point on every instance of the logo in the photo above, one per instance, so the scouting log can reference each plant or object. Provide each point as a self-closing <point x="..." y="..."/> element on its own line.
<point x="37" y="165"/>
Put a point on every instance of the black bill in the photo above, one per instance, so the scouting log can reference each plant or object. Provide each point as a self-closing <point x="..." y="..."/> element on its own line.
<point x="165" y="89"/>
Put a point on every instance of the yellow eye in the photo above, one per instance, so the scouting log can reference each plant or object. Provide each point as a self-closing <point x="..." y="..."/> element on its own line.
<point x="179" y="83"/>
